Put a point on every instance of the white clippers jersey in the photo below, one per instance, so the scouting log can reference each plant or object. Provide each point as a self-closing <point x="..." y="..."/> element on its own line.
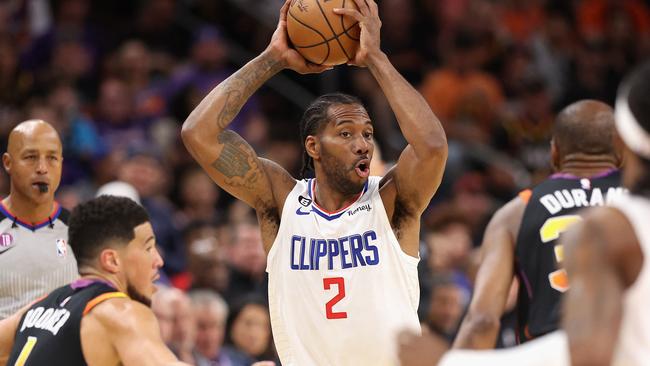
<point x="633" y="348"/>
<point x="340" y="286"/>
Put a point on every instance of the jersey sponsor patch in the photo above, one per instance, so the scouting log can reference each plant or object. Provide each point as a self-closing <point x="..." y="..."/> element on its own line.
<point x="361" y="208"/>
<point x="61" y="248"/>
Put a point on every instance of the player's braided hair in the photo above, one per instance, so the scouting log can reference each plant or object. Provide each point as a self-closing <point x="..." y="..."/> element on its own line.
<point x="314" y="119"/>
<point x="100" y="222"/>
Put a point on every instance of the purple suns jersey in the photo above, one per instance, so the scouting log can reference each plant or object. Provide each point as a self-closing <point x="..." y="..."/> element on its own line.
<point x="340" y="287"/>
<point x="553" y="207"/>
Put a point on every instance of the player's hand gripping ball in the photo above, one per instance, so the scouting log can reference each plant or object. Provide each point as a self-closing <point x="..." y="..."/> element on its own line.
<point x="319" y="35"/>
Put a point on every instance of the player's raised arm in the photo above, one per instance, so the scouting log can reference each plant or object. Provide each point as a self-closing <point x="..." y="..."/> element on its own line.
<point x="420" y="166"/>
<point x="226" y="157"/>
<point x="480" y="327"/>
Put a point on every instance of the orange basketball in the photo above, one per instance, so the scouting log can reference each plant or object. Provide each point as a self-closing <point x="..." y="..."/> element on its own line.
<point x="320" y="35"/>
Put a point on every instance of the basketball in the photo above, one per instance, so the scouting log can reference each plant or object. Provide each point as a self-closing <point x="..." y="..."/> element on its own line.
<point x="320" y="35"/>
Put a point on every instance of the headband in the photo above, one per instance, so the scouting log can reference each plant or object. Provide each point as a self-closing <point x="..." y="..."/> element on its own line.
<point x="634" y="136"/>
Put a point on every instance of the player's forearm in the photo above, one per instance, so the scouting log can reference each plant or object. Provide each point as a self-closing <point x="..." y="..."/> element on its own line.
<point x="418" y="123"/>
<point x="477" y="332"/>
<point x="592" y="330"/>
<point x="221" y="105"/>
<point x="593" y="307"/>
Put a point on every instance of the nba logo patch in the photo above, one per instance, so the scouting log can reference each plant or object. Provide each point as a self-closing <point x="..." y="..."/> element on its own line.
<point x="6" y="240"/>
<point x="585" y="183"/>
<point x="61" y="248"/>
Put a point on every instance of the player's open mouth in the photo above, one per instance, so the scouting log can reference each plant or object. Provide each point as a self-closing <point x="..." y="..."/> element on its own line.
<point x="42" y="187"/>
<point x="363" y="168"/>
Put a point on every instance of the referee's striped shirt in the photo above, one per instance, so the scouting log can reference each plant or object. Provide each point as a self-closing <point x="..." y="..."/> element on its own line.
<point x="34" y="258"/>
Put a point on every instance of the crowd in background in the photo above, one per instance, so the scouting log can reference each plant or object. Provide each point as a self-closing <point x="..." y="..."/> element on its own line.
<point x="117" y="79"/>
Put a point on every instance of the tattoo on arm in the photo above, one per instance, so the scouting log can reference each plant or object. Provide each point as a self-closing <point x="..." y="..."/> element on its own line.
<point x="241" y="85"/>
<point x="231" y="107"/>
<point x="237" y="161"/>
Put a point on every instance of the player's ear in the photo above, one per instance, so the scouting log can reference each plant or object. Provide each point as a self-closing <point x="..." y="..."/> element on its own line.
<point x="619" y="150"/>
<point x="6" y="161"/>
<point x="312" y="146"/>
<point x="109" y="260"/>
<point x="555" y="156"/>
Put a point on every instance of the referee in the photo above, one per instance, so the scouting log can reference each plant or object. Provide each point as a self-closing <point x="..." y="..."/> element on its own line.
<point x="35" y="257"/>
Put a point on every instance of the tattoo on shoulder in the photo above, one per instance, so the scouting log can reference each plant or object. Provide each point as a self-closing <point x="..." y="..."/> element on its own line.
<point x="237" y="161"/>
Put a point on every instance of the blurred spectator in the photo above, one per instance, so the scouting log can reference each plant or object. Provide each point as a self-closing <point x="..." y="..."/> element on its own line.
<point x="249" y="330"/>
<point x="247" y="260"/>
<point x="207" y="265"/>
<point x="183" y="335"/>
<point x="207" y="67"/>
<point x="144" y="169"/>
<point x="162" y="305"/>
<point x="211" y="313"/>
<point x="157" y="25"/>
<point x="528" y="122"/>
<point x="464" y="97"/>
<point x="134" y="64"/>
<point x="116" y="120"/>
<point x="521" y="18"/>
<point x="119" y="189"/>
<point x="69" y="50"/>
<point x="449" y="243"/>
<point x="198" y="197"/>
<point x="590" y="76"/>
<point x="402" y="42"/>
<point x="552" y="49"/>
<point x="593" y="16"/>
<point x="446" y="306"/>
<point x="82" y="146"/>
<point x="447" y="255"/>
<point x="15" y="83"/>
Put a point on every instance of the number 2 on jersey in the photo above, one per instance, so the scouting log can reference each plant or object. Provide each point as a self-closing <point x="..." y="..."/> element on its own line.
<point x="551" y="231"/>
<point x="340" y="284"/>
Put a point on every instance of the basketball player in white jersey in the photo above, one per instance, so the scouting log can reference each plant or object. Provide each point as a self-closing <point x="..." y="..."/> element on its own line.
<point x="342" y="247"/>
<point x="606" y="319"/>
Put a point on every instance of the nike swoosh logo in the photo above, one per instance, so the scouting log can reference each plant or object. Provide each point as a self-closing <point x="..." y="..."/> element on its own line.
<point x="302" y="213"/>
